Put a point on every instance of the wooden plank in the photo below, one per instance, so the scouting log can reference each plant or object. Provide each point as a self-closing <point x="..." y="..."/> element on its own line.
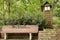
<point x="21" y="29"/>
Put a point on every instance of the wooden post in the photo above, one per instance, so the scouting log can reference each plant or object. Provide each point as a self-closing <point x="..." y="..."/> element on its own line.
<point x="30" y="36"/>
<point x="47" y="14"/>
<point x="5" y="36"/>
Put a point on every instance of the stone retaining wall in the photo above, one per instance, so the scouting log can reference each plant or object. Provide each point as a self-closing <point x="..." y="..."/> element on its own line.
<point x="47" y="34"/>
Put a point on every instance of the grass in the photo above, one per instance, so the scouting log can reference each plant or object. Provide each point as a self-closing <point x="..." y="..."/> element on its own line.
<point x="56" y="21"/>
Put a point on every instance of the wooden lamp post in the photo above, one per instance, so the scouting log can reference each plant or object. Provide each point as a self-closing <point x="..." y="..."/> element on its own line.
<point x="47" y="8"/>
<point x="47" y="12"/>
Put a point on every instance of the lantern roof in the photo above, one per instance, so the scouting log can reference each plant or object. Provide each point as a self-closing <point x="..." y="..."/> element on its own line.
<point x="47" y="4"/>
<point x="44" y="1"/>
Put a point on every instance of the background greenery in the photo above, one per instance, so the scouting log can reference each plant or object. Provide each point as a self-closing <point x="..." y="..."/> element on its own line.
<point x="25" y="12"/>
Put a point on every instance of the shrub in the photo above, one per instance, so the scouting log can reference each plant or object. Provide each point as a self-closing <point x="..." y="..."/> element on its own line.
<point x="31" y="19"/>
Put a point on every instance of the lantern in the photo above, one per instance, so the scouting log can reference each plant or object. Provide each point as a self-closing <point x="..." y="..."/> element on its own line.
<point x="47" y="7"/>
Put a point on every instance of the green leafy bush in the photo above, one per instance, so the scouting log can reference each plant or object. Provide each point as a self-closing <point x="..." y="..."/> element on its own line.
<point x="25" y="20"/>
<point x="31" y="19"/>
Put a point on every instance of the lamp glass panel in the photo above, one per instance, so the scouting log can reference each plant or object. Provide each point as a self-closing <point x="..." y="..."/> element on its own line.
<point x="46" y="8"/>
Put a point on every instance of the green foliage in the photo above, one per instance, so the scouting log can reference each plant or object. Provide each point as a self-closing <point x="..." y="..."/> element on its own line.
<point x="23" y="12"/>
<point x="29" y="19"/>
<point x="56" y="21"/>
<point x="56" y="14"/>
<point x="43" y="1"/>
<point x="27" y="12"/>
<point x="57" y="9"/>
